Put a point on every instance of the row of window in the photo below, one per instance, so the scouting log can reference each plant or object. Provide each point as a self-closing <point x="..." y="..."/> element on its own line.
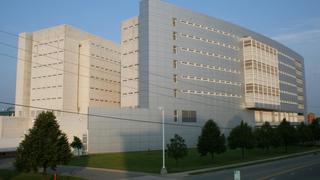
<point x="287" y="83"/>
<point x="209" y="41"/>
<point x="131" y="39"/>
<point x="298" y="72"/>
<point x="216" y="68"/>
<point x="104" y="79"/>
<point x="210" y="29"/>
<point x="130" y="79"/>
<point x="105" y="90"/>
<point x="253" y="64"/>
<point x="220" y="94"/>
<point x="211" y="80"/>
<point x="47" y="65"/>
<point x="288" y="102"/>
<point x="46" y="54"/>
<point x="47" y="87"/>
<point x="48" y="43"/>
<point x="130" y="52"/>
<point x="105" y="69"/>
<point x="104" y="100"/>
<point x="261" y="46"/>
<point x="292" y="59"/>
<point x="299" y="81"/>
<point x="301" y="106"/>
<point x="129" y="27"/>
<point x="289" y="93"/>
<point x="130" y="93"/>
<point x="129" y="66"/>
<point x="261" y="89"/>
<point x="49" y="98"/>
<point x="105" y="48"/>
<point x="298" y="64"/>
<point x="287" y="74"/>
<point x="104" y="58"/>
<point x="287" y="65"/>
<point x="228" y="58"/>
<point x="51" y="75"/>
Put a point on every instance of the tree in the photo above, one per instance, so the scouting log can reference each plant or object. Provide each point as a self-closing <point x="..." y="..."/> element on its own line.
<point x="264" y="136"/>
<point x="44" y="146"/>
<point x="286" y="133"/>
<point x="76" y="144"/>
<point x="304" y="133"/>
<point x="177" y="148"/>
<point x="211" y="140"/>
<point x="241" y="137"/>
<point x="315" y="128"/>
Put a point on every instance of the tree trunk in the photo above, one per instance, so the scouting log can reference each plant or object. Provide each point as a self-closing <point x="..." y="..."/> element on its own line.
<point x="242" y="151"/>
<point x="286" y="147"/>
<point x="78" y="152"/>
<point x="44" y="168"/>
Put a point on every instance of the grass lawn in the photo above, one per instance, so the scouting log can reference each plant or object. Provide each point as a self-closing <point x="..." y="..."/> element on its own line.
<point x="14" y="175"/>
<point x="151" y="161"/>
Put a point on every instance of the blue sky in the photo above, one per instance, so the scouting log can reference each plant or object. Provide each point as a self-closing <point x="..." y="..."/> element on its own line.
<point x="295" y="23"/>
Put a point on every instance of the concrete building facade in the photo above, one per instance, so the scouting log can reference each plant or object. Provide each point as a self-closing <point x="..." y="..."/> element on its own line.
<point x="191" y="66"/>
<point x="197" y="68"/>
<point x="63" y="68"/>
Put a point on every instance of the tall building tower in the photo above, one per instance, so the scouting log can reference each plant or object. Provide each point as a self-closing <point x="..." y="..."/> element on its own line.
<point x="63" y="68"/>
<point x="130" y="63"/>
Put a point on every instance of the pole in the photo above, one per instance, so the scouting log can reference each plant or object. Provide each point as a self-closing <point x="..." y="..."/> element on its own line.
<point x="163" y="170"/>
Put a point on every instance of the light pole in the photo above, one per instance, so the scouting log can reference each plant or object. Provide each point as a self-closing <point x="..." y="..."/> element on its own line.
<point x="163" y="169"/>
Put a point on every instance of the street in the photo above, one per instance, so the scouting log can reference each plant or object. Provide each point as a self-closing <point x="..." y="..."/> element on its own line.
<point x="303" y="167"/>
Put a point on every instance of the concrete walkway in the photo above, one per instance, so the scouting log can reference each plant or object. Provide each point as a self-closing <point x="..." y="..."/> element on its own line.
<point x="94" y="173"/>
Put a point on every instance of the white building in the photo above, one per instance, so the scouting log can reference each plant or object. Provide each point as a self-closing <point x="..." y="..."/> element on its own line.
<point x="194" y="66"/>
<point x="64" y="68"/>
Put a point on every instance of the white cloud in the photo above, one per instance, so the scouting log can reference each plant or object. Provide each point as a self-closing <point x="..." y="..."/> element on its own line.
<point x="299" y="37"/>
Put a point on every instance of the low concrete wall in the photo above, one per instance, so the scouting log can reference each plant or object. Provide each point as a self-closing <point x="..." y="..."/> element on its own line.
<point x="108" y="134"/>
<point x="13" y="127"/>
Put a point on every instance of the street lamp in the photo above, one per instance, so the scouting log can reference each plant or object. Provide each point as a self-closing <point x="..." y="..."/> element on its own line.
<point x="163" y="169"/>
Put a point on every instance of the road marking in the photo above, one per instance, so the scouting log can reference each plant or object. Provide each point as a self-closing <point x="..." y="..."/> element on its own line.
<point x="288" y="170"/>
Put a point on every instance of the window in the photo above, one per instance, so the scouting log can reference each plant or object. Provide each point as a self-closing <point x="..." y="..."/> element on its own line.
<point x="175" y="116"/>
<point x="189" y="116"/>
<point x="174" y="36"/>
<point x="174" y="78"/>
<point x="175" y="92"/>
<point x="175" y="64"/>
<point x="174" y="49"/>
<point x="174" y="21"/>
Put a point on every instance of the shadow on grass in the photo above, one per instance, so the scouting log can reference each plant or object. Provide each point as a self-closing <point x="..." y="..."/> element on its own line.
<point x="151" y="161"/>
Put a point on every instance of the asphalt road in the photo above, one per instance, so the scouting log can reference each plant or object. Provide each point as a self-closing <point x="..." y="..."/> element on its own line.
<point x="299" y="168"/>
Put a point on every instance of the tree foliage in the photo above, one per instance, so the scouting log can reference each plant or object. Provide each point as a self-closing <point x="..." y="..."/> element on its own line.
<point x="76" y="144"/>
<point x="315" y="129"/>
<point x="44" y="146"/>
<point x="211" y="140"/>
<point x="264" y="136"/>
<point x="241" y="137"/>
<point x="303" y="134"/>
<point x="177" y="148"/>
<point x="286" y="133"/>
